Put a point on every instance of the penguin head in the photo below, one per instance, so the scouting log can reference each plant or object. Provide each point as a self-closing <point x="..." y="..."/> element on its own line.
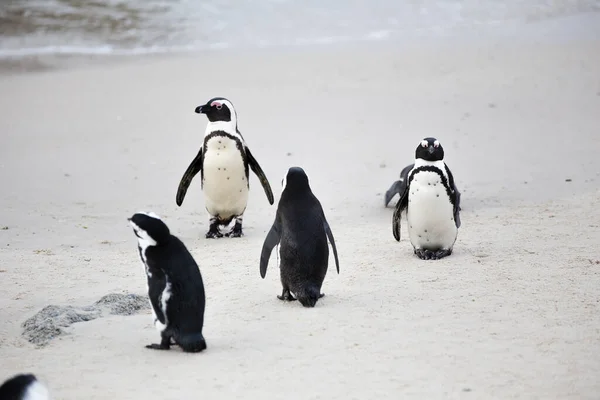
<point x="218" y="109"/>
<point x="149" y="229"/>
<point x="430" y="149"/>
<point x="296" y="180"/>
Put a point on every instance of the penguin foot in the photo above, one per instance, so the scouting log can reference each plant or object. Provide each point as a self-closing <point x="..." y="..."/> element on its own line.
<point x="236" y="231"/>
<point x="165" y="344"/>
<point x="424" y="254"/>
<point x="214" y="232"/>
<point x="286" y="296"/>
<point x="441" y="254"/>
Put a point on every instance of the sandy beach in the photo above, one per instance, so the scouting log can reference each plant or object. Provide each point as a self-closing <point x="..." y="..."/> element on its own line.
<point x="513" y="313"/>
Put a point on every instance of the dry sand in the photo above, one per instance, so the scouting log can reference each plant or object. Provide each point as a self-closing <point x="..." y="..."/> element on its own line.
<point x="513" y="313"/>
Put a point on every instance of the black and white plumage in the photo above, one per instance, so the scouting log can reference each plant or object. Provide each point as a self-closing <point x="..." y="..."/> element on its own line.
<point x="223" y="162"/>
<point x="432" y="203"/>
<point x="398" y="186"/>
<point x="174" y="282"/>
<point x="23" y="387"/>
<point x="301" y="230"/>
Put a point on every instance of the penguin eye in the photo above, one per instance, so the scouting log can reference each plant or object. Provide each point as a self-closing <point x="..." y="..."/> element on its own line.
<point x="219" y="106"/>
<point x="436" y="144"/>
<point x="424" y="143"/>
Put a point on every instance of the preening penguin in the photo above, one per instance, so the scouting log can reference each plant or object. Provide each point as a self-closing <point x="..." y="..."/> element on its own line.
<point x="301" y="230"/>
<point x="432" y="203"/>
<point x="23" y="387"/>
<point x="175" y="286"/>
<point x="223" y="162"/>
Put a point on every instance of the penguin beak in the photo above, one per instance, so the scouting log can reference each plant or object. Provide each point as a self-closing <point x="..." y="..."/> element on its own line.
<point x="201" y="109"/>
<point x="431" y="149"/>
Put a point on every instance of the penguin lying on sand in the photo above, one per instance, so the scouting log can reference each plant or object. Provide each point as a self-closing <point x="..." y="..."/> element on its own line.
<point x="301" y="230"/>
<point x="174" y="283"/>
<point x="431" y="202"/>
<point x="23" y="387"/>
<point x="223" y="162"/>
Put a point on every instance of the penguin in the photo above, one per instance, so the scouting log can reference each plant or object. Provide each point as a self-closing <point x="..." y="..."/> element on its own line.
<point x="174" y="284"/>
<point x="301" y="230"/>
<point x="398" y="186"/>
<point x="223" y="162"/>
<point x="431" y="202"/>
<point x="23" y="387"/>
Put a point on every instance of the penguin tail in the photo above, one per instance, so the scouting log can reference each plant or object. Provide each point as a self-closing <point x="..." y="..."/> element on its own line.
<point x="192" y="343"/>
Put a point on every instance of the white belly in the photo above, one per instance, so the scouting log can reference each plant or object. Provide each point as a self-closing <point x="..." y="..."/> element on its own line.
<point x="430" y="214"/>
<point x="225" y="185"/>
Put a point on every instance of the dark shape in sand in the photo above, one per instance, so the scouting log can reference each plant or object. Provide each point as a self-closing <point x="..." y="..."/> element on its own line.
<point x="52" y="321"/>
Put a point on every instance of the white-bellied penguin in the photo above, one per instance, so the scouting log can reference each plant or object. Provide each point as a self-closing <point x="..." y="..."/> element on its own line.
<point x="223" y="162"/>
<point x="431" y="203"/>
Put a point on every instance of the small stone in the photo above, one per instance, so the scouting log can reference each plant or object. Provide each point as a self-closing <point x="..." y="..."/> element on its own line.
<point x="568" y="180"/>
<point x="5" y="228"/>
<point x="288" y="154"/>
<point x="382" y="165"/>
<point x="466" y="389"/>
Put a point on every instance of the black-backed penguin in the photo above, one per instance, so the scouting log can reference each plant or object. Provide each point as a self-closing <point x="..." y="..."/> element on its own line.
<point x="301" y="230"/>
<point x="23" y="387"/>
<point x="223" y="161"/>
<point x="175" y="286"/>
<point x="431" y="202"/>
<point x="398" y="186"/>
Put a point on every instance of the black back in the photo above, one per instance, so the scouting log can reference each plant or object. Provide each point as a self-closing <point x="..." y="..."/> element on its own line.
<point x="171" y="261"/>
<point x="301" y="229"/>
<point x="15" y="387"/>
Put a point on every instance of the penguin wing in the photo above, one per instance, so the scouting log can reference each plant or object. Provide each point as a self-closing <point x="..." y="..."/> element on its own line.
<point x="191" y="171"/>
<point x="330" y="236"/>
<point x="272" y="240"/>
<point x="400" y="206"/>
<point x="455" y="196"/>
<point x="261" y="175"/>
<point x="398" y="186"/>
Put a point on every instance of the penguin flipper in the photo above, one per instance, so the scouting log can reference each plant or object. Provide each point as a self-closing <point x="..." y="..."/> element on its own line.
<point x="271" y="241"/>
<point x="392" y="191"/>
<point x="191" y="171"/>
<point x="261" y="175"/>
<point x="455" y="196"/>
<point x="330" y="236"/>
<point x="400" y="206"/>
<point x="398" y="186"/>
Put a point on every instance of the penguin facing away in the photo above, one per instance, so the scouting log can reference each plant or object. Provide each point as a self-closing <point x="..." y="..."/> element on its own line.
<point x="431" y="202"/>
<point x="23" y="387"/>
<point x="174" y="283"/>
<point x="398" y="186"/>
<point x="301" y="230"/>
<point x="223" y="162"/>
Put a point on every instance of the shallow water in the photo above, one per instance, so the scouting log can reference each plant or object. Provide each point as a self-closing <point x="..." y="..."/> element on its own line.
<point x="95" y="27"/>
